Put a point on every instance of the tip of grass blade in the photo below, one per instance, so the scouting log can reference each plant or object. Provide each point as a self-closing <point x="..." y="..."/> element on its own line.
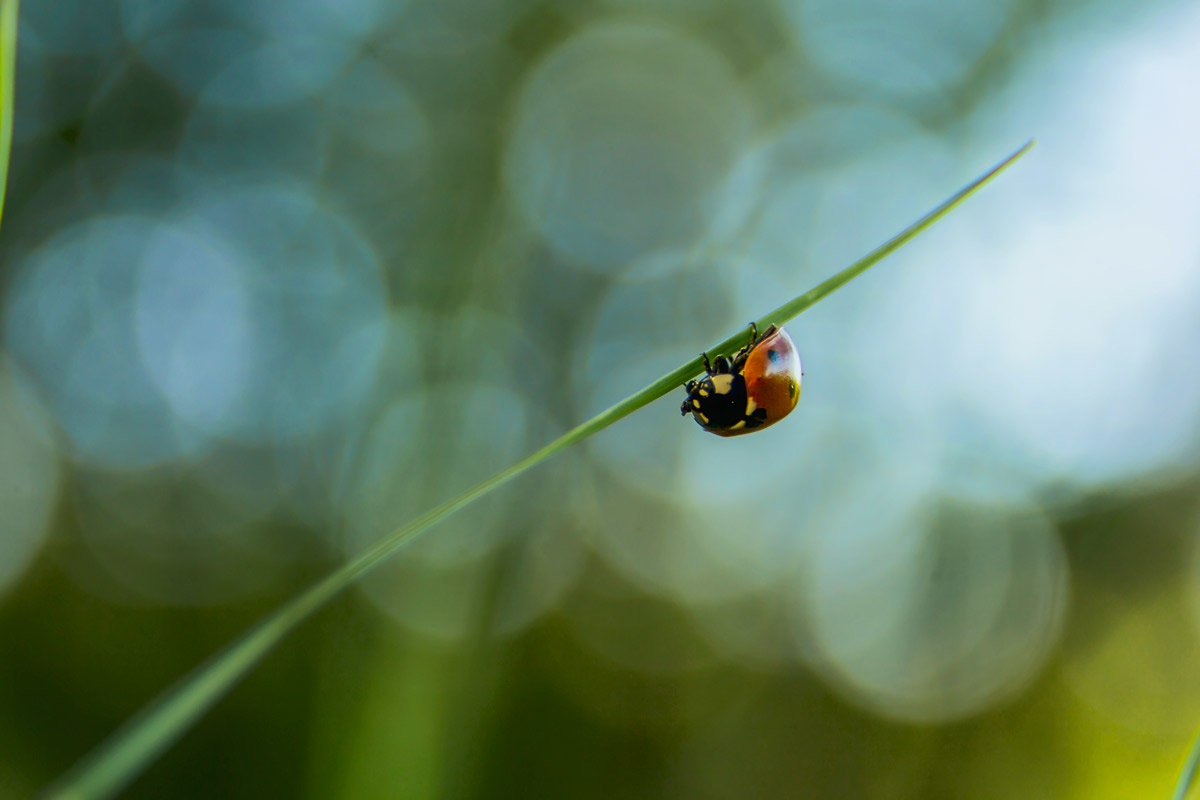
<point x="795" y="306"/>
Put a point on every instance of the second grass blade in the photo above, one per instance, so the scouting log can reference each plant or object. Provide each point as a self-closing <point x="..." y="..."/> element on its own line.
<point x="8" y="68"/>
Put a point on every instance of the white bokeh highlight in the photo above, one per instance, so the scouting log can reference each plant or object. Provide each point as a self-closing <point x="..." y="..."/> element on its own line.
<point x="70" y="318"/>
<point x="920" y="49"/>
<point x="626" y="139"/>
<point x="933" y="611"/>
<point x="29" y="473"/>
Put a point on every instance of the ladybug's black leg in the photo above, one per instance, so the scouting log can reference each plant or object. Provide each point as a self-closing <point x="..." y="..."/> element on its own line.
<point x="739" y="358"/>
<point x="685" y="407"/>
<point x="707" y="366"/>
<point x="723" y="366"/>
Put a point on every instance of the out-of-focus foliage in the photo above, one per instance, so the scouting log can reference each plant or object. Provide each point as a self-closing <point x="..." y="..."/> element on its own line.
<point x="276" y="277"/>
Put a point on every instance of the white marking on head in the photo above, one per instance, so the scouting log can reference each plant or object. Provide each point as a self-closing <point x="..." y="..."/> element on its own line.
<point x="722" y="384"/>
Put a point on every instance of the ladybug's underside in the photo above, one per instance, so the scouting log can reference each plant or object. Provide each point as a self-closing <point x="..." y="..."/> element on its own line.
<point x="720" y="402"/>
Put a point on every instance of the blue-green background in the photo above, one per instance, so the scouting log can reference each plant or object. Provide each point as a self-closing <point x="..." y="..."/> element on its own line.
<point x="276" y="277"/>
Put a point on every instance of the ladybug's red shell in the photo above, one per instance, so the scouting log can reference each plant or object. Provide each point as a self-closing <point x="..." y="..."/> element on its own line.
<point x="758" y="387"/>
<point x="772" y="375"/>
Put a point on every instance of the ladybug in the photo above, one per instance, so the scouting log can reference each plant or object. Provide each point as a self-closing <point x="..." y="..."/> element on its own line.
<point x="758" y="387"/>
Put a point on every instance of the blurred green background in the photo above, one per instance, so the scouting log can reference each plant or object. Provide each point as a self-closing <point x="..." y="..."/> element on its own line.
<point x="276" y="277"/>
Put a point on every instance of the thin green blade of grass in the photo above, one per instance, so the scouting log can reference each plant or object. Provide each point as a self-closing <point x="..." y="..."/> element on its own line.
<point x="133" y="746"/>
<point x="1187" y="775"/>
<point x="8" y="69"/>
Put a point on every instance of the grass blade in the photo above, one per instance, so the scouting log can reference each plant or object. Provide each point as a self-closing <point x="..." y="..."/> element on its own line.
<point x="1187" y="775"/>
<point x="126" y="752"/>
<point x="8" y="68"/>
